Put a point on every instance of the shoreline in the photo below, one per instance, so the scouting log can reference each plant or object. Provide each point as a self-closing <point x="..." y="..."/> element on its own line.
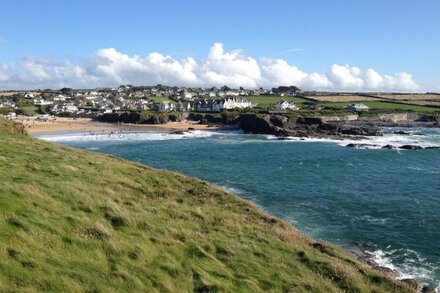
<point x="34" y="126"/>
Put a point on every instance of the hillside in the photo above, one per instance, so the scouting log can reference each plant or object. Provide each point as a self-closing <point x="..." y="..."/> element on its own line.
<point x="73" y="220"/>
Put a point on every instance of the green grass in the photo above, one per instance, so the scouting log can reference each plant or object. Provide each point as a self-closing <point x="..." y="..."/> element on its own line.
<point x="76" y="221"/>
<point x="386" y="106"/>
<point x="265" y="101"/>
<point x="29" y="110"/>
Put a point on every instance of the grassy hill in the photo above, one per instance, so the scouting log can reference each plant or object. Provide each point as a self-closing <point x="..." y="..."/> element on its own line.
<point x="72" y="220"/>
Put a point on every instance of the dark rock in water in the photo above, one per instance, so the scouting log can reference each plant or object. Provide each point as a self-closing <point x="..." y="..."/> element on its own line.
<point x="180" y="132"/>
<point x="190" y="128"/>
<point x="432" y="148"/>
<point x="410" y="147"/>
<point x="402" y="132"/>
<point x="387" y="271"/>
<point x="388" y="146"/>
<point x="427" y="289"/>
<point x="411" y="283"/>
<point x="360" y="145"/>
<point x="364" y="131"/>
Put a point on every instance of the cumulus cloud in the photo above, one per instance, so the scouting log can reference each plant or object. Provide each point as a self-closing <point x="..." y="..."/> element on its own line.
<point x="109" y="67"/>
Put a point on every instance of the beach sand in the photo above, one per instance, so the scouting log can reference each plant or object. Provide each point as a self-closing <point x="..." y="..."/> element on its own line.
<point x="83" y="124"/>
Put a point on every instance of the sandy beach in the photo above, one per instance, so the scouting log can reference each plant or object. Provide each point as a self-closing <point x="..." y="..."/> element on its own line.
<point x="34" y="126"/>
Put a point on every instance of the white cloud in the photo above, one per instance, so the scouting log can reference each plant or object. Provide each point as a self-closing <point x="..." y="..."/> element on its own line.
<point x="109" y="67"/>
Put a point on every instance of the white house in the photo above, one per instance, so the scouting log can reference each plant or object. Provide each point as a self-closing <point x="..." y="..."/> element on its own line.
<point x="186" y="96"/>
<point x="232" y="103"/>
<point x="166" y="106"/>
<point x="285" y="105"/>
<point x="357" y="107"/>
<point x="220" y="104"/>
<point x="65" y="108"/>
<point x="7" y="104"/>
<point x="42" y="102"/>
<point x="183" y="107"/>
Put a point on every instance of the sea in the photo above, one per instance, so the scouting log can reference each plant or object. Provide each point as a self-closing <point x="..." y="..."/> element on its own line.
<point x="385" y="202"/>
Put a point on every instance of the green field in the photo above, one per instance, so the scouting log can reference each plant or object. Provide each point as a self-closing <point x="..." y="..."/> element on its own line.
<point x="387" y="106"/>
<point x="77" y="221"/>
<point x="29" y="110"/>
<point x="265" y="101"/>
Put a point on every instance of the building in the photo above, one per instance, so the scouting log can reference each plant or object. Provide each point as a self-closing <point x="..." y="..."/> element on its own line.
<point x="285" y="105"/>
<point x="357" y="107"/>
<point x="65" y="108"/>
<point x="166" y="106"/>
<point x="203" y="105"/>
<point x="42" y="102"/>
<point x="222" y="104"/>
<point x="184" y="106"/>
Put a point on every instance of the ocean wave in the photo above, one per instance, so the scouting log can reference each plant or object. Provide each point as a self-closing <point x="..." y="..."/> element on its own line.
<point x="408" y="263"/>
<point x="420" y="137"/>
<point x="135" y="136"/>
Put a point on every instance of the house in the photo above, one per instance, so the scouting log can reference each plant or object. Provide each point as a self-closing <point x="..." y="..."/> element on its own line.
<point x="42" y="102"/>
<point x="285" y="105"/>
<point x="220" y="104"/>
<point x="186" y="96"/>
<point x="203" y="105"/>
<point x="166" y="106"/>
<point x="7" y="104"/>
<point x="183" y="106"/>
<point x="357" y="107"/>
<point x="65" y="108"/>
<point x="10" y="115"/>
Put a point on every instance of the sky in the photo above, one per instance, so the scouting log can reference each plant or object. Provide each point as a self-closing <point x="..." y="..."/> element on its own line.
<point x="343" y="45"/>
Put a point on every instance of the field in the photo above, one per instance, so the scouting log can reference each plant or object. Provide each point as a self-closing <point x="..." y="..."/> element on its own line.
<point x="28" y="110"/>
<point x="265" y="101"/>
<point x="341" y="98"/>
<point x="76" y="221"/>
<point x="410" y="97"/>
<point x="387" y="106"/>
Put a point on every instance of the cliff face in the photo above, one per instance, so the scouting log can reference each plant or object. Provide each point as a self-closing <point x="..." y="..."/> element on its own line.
<point x="76" y="221"/>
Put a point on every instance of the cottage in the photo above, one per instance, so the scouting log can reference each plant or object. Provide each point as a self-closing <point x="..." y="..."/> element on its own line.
<point x="183" y="106"/>
<point x="283" y="105"/>
<point x="65" y="108"/>
<point x="166" y="106"/>
<point x="203" y="105"/>
<point x="357" y="107"/>
<point x="42" y="102"/>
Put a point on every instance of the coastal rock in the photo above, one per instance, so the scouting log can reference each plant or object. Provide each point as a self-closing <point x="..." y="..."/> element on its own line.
<point x="413" y="284"/>
<point x="388" y="146"/>
<point x="309" y="121"/>
<point x="400" y="132"/>
<point x="180" y="132"/>
<point x="364" y="131"/>
<point x="360" y="145"/>
<point x="410" y="147"/>
<point x="427" y="289"/>
<point x="387" y="271"/>
<point x="432" y="148"/>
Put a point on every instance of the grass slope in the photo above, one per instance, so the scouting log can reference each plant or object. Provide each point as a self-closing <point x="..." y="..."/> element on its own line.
<point x="72" y="220"/>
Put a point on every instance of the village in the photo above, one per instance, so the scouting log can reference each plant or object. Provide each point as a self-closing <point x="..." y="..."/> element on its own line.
<point x="91" y="103"/>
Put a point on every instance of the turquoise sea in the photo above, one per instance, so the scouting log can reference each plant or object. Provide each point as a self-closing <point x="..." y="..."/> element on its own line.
<point x="385" y="202"/>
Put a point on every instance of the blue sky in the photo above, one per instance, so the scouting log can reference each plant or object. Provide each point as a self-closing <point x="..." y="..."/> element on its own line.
<point x="389" y="36"/>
